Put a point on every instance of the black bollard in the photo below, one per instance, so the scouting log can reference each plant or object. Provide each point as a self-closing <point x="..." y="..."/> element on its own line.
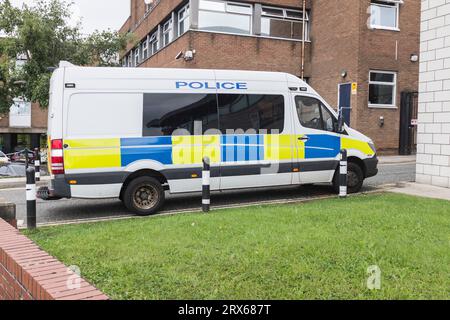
<point x="26" y="158"/>
<point x="206" y="177"/>
<point x="31" y="199"/>
<point x="343" y="174"/>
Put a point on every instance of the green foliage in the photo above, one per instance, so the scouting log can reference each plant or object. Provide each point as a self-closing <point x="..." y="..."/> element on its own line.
<point x="42" y="34"/>
<point x="315" y="250"/>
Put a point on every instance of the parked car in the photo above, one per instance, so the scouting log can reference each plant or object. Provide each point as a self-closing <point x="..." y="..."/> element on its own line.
<point x="19" y="156"/>
<point x="4" y="160"/>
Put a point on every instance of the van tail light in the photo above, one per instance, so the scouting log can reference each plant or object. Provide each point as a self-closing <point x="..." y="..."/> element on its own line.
<point x="57" y="156"/>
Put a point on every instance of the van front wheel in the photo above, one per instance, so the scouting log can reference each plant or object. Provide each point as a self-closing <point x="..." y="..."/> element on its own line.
<point x="355" y="178"/>
<point x="144" y="196"/>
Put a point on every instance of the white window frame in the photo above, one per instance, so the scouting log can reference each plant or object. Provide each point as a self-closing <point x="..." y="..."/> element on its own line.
<point x="137" y="56"/>
<point x="181" y="19"/>
<point x="153" y="39"/>
<point x="167" y="29"/>
<point x="130" y="59"/>
<point x="227" y="10"/>
<point x="396" y="4"/>
<point x="145" y="51"/>
<point x="285" y="17"/>
<point x="394" y="91"/>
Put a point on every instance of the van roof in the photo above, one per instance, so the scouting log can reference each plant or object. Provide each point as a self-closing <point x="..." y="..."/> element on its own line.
<point x="173" y="73"/>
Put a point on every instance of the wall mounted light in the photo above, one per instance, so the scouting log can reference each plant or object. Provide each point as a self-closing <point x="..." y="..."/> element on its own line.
<point x="344" y="73"/>
<point x="414" y="57"/>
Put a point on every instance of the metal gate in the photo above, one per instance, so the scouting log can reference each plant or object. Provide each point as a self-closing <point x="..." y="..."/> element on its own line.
<point x="409" y="108"/>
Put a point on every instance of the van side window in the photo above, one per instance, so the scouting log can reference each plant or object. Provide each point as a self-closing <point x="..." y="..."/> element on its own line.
<point x="166" y="112"/>
<point x="251" y="111"/>
<point x="313" y="114"/>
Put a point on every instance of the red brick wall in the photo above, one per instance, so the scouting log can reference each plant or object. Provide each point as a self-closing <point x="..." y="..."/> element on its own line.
<point x="378" y="52"/>
<point x="142" y="26"/>
<point x="223" y="51"/>
<point x="340" y="40"/>
<point x="29" y="273"/>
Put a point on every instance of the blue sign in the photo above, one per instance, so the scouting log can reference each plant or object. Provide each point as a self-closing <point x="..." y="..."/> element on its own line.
<point x="198" y="85"/>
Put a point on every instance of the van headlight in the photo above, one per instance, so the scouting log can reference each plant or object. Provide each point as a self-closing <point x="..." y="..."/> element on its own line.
<point x="372" y="146"/>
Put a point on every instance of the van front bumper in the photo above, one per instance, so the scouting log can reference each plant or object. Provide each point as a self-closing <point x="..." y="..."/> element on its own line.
<point x="371" y="166"/>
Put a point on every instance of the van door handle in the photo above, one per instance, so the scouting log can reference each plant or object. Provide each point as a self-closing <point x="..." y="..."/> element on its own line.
<point x="304" y="138"/>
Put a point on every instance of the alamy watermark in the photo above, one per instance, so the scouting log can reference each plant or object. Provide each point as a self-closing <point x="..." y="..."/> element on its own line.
<point x="374" y="279"/>
<point x="74" y="280"/>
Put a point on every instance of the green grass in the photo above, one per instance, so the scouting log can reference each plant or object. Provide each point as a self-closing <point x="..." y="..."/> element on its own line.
<point x="316" y="250"/>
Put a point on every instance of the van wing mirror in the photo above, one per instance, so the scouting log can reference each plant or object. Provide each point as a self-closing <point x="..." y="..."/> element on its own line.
<point x="341" y="123"/>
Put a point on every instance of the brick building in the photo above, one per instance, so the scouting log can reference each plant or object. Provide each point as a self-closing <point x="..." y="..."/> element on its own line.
<point x="25" y="126"/>
<point x="433" y="149"/>
<point x="360" y="54"/>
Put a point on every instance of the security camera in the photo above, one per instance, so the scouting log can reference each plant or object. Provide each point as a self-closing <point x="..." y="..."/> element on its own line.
<point x="189" y="55"/>
<point x="179" y="55"/>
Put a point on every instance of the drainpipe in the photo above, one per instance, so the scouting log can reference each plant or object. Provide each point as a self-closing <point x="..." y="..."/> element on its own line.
<point x="303" y="41"/>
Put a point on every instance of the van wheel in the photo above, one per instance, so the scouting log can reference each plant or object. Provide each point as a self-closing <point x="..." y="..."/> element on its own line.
<point x="144" y="196"/>
<point x="355" y="178"/>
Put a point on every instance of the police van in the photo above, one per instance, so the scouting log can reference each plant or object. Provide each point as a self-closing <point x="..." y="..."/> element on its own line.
<point x="134" y="133"/>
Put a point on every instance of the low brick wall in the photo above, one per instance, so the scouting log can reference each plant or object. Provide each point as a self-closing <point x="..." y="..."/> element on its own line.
<point x="8" y="212"/>
<point x="29" y="273"/>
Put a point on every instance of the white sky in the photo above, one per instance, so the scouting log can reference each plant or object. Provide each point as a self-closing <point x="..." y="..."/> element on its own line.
<point x="95" y="14"/>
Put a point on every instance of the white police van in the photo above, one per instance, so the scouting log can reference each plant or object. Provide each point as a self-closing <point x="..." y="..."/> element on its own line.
<point x="131" y="133"/>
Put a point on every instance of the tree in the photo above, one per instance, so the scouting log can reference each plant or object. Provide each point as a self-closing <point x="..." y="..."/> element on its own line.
<point x="43" y="35"/>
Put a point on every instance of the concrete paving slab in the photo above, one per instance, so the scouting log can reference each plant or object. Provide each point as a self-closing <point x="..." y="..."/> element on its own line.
<point x="422" y="190"/>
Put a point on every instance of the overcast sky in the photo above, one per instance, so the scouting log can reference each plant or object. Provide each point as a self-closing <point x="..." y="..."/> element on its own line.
<point x="95" y="14"/>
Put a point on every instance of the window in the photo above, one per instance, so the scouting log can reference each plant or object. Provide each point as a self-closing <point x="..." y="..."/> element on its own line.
<point x="167" y="33"/>
<point x="314" y="115"/>
<point x="283" y="23"/>
<point x="130" y="59"/>
<point x="384" y="14"/>
<point x="259" y="112"/>
<point x="145" y="49"/>
<point x="382" y="88"/>
<point x="122" y="111"/>
<point x="154" y="45"/>
<point x="149" y="7"/>
<point x="225" y="17"/>
<point x="183" y="20"/>
<point x="136" y="56"/>
<point x="164" y="113"/>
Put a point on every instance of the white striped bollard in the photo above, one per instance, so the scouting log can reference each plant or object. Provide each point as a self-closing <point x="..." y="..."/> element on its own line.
<point x="206" y="190"/>
<point x="37" y="164"/>
<point x="343" y="174"/>
<point x="31" y="199"/>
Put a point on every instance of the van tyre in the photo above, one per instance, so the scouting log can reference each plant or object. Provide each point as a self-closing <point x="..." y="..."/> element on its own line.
<point x="355" y="178"/>
<point x="144" y="196"/>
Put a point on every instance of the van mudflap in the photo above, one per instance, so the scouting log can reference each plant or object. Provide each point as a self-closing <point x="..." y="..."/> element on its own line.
<point x="44" y="193"/>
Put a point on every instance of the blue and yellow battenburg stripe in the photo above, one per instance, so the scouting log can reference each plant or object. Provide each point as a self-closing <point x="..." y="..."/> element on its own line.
<point x="188" y="150"/>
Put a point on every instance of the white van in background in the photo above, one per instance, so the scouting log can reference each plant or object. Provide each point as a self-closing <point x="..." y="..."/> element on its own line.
<point x="131" y="133"/>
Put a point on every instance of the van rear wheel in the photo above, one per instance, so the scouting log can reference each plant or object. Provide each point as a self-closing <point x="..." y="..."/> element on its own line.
<point x="144" y="196"/>
<point x="355" y="178"/>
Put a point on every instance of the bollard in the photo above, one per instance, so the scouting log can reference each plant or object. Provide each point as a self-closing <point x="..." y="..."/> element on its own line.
<point x="206" y="190"/>
<point x="343" y="174"/>
<point x="31" y="199"/>
<point x="37" y="164"/>
<point x="26" y="158"/>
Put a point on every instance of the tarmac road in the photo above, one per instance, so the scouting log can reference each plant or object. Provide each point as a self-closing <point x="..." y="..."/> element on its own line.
<point x="74" y="209"/>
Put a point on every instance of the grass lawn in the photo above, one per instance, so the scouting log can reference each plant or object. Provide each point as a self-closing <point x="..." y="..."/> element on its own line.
<point x="316" y="250"/>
